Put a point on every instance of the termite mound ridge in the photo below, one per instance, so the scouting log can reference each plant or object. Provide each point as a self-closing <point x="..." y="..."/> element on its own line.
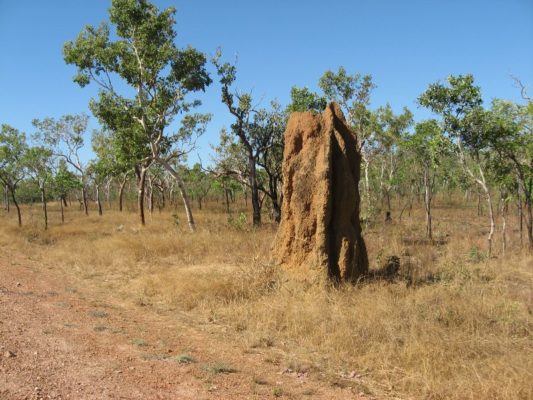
<point x="320" y="229"/>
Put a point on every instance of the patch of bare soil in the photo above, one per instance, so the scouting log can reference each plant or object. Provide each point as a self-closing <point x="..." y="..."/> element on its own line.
<point x="62" y="342"/>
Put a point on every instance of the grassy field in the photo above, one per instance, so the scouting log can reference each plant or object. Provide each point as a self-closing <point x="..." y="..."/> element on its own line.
<point x="456" y="325"/>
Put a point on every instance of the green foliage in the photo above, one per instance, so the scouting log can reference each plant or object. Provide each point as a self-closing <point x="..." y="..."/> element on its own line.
<point x="144" y="56"/>
<point x="13" y="149"/>
<point x="64" y="181"/>
<point x="38" y="161"/>
<point x="458" y="102"/>
<point x="352" y="92"/>
<point x="302" y="99"/>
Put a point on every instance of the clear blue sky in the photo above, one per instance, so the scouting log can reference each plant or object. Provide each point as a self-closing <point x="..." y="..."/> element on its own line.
<point x="405" y="45"/>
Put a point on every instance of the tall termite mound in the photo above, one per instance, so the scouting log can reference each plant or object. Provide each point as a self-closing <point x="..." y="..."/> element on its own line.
<point x="320" y="227"/>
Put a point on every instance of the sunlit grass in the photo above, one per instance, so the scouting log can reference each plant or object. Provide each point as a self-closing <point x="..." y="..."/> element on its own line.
<point x="458" y="328"/>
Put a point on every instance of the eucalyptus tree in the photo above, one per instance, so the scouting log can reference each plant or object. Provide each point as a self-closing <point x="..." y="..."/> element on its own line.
<point x="389" y="129"/>
<point x="63" y="182"/>
<point x="98" y="171"/>
<point x="511" y="136"/>
<point x="199" y="183"/>
<point x="460" y="105"/>
<point x="427" y="147"/>
<point x="145" y="57"/>
<point x="13" y="169"/>
<point x="65" y="137"/>
<point x="353" y="92"/>
<point x="231" y="164"/>
<point x="39" y="162"/>
<point x="267" y="133"/>
<point x="240" y="106"/>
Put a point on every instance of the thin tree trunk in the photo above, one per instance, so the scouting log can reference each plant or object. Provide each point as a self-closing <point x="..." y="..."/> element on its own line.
<point x="520" y="216"/>
<point x="226" y="199"/>
<point x="427" y="202"/>
<point x="62" y="211"/>
<point x="45" y="210"/>
<point x="121" y="192"/>
<point x="108" y="192"/>
<point x="367" y="180"/>
<point x="183" y="192"/>
<point x="503" y="210"/>
<point x="6" y="198"/>
<point x="492" y="223"/>
<point x="256" y="206"/>
<point x="150" y="196"/>
<point x="84" y="199"/>
<point x="63" y="199"/>
<point x="141" y="176"/>
<point x="19" y="216"/>
<point x="98" y="202"/>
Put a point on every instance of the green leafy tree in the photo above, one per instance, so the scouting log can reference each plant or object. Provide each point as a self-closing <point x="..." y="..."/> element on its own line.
<point x="199" y="183"/>
<point x="64" y="181"/>
<point x="13" y="149"/>
<point x="459" y="104"/>
<point x="240" y="106"/>
<point x="302" y="99"/>
<point x="427" y="147"/>
<point x="389" y="130"/>
<point x="146" y="58"/>
<point x="65" y="137"/>
<point x="353" y="92"/>
<point x="267" y="133"/>
<point x="38" y="162"/>
<point x="511" y="136"/>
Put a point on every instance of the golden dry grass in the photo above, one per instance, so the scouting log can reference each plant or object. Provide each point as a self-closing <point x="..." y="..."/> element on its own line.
<point x="460" y="330"/>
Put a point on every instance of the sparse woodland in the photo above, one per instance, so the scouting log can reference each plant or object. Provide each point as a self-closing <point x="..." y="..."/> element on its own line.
<point x="450" y="196"/>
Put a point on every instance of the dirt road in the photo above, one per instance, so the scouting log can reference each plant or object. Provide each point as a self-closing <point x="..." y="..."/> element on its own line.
<point x="63" y="342"/>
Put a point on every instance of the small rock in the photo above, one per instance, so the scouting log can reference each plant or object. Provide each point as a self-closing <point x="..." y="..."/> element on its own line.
<point x="19" y="284"/>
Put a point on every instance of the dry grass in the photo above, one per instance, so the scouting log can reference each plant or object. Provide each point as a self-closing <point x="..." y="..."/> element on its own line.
<point x="459" y="328"/>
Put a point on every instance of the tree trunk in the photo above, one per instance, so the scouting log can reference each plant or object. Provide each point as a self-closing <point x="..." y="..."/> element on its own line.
<point x="226" y="198"/>
<point x="503" y="211"/>
<point x="45" y="210"/>
<point x="84" y="199"/>
<point x="427" y="202"/>
<point x="6" y="198"/>
<point x="108" y="193"/>
<point x="63" y="199"/>
<point x="150" y="196"/>
<point x="366" y="164"/>
<point x="141" y="176"/>
<point x="62" y="212"/>
<point x="256" y="206"/>
<point x="98" y="202"/>
<point x="199" y="200"/>
<point x="520" y="215"/>
<point x="12" y="190"/>
<point x="183" y="192"/>
<point x="121" y="192"/>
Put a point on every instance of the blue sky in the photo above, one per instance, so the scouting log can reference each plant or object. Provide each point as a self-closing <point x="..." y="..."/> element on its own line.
<point x="405" y="45"/>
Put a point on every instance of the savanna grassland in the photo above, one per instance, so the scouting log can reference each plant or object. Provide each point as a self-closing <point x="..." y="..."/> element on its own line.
<point x="452" y="325"/>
